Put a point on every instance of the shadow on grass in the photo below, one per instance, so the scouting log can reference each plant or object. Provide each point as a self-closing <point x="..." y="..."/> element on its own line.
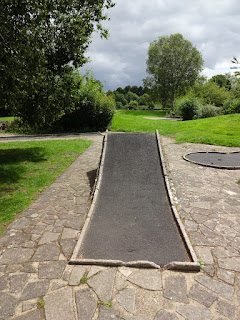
<point x="14" y="163"/>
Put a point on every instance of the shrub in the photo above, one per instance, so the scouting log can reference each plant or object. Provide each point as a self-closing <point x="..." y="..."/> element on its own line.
<point x="187" y="107"/>
<point x="207" y="111"/>
<point x="151" y="106"/>
<point x="231" y="106"/>
<point x="92" y="110"/>
<point x="133" y="104"/>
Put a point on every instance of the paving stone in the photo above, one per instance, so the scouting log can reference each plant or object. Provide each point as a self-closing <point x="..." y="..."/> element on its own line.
<point x="15" y="238"/>
<point x="48" y="237"/>
<point x="204" y="253"/>
<point x="29" y="268"/>
<point x="165" y="315"/>
<point x="220" y="288"/>
<point x="126" y="272"/>
<point x="135" y="318"/>
<point x="120" y="283"/>
<point x="57" y="285"/>
<point x="67" y="247"/>
<point x="86" y="302"/>
<point x="75" y="222"/>
<point x="93" y="270"/>
<point x="147" y="279"/>
<point x="230" y="263"/>
<point x="4" y="282"/>
<point x="226" y="276"/>
<point x="32" y="315"/>
<point x="16" y="255"/>
<point x="59" y="305"/>
<point x="69" y="233"/>
<point x="12" y="268"/>
<point x="76" y="275"/>
<point x="176" y="289"/>
<point x="20" y="224"/>
<point x="17" y="282"/>
<point x="199" y="294"/>
<point x="28" y="305"/>
<point x="209" y="270"/>
<point x="194" y="313"/>
<point x="35" y="290"/>
<point x="126" y="299"/>
<point x="107" y="313"/>
<point x="102" y="283"/>
<point x="47" y="252"/>
<point x="226" y="309"/>
<point x="51" y="269"/>
<point x="8" y="305"/>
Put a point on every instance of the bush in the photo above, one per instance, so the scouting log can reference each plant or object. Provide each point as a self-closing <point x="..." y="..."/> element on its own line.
<point x="207" y="111"/>
<point x="231" y="106"/>
<point x="133" y="104"/>
<point x="151" y="106"/>
<point x="187" y="107"/>
<point x="92" y="110"/>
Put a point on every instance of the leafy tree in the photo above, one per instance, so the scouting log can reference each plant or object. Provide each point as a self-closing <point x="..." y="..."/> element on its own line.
<point x="131" y="96"/>
<point x="120" y="90"/>
<point x="236" y="62"/>
<point x="119" y="97"/>
<point x="38" y="40"/>
<point x="145" y="99"/>
<point x="222" y="81"/>
<point x="127" y="89"/>
<point x="173" y="65"/>
<point x="211" y="93"/>
<point x="133" y="104"/>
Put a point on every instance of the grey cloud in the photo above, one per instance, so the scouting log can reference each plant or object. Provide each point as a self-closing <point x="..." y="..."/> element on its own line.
<point x="212" y="26"/>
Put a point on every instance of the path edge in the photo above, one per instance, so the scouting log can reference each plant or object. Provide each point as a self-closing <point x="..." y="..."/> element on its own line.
<point x="74" y="259"/>
<point x="176" y="265"/>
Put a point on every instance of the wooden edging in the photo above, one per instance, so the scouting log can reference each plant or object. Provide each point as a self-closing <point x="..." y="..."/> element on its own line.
<point x="175" y="265"/>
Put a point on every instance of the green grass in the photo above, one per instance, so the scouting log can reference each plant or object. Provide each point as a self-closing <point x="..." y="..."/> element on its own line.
<point x="27" y="168"/>
<point x="222" y="130"/>
<point x="6" y="118"/>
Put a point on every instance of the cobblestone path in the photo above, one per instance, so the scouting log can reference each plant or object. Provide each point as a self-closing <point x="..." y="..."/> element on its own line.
<point x="36" y="281"/>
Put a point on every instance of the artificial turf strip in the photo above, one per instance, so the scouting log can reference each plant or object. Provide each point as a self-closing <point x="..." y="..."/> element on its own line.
<point x="27" y="168"/>
<point x="221" y="130"/>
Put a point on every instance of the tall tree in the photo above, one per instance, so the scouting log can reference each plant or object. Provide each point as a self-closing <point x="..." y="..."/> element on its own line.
<point x="173" y="65"/>
<point x="38" y="41"/>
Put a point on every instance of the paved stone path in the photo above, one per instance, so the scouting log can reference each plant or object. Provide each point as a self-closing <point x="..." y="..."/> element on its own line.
<point x="37" y="283"/>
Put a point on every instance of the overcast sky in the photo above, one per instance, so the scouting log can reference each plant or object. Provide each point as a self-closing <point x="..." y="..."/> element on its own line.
<point x="213" y="26"/>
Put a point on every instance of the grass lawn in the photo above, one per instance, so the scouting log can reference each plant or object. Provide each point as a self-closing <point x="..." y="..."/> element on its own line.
<point x="27" y="168"/>
<point x="222" y="130"/>
<point x="6" y="118"/>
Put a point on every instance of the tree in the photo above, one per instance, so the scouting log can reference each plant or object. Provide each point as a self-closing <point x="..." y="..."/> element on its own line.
<point x="38" y="41"/>
<point x="211" y="93"/>
<point x="222" y="80"/>
<point x="173" y="65"/>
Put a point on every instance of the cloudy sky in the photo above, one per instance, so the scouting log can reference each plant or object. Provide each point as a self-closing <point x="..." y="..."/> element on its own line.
<point x="213" y="26"/>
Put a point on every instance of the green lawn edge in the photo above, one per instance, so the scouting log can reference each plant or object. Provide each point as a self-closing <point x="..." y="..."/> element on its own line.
<point x="27" y="168"/>
<point x="222" y="130"/>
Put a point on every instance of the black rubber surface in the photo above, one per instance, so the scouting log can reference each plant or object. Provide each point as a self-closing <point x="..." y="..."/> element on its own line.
<point x="132" y="219"/>
<point x="215" y="159"/>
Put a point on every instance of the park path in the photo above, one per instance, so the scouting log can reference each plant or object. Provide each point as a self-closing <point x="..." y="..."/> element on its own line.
<point x="37" y="283"/>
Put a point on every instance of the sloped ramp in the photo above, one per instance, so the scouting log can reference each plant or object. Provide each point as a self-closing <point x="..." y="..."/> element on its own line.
<point x="131" y="221"/>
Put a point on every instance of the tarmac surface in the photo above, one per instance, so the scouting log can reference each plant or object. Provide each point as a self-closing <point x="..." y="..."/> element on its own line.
<point x="215" y="159"/>
<point x="132" y="219"/>
<point x="37" y="283"/>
